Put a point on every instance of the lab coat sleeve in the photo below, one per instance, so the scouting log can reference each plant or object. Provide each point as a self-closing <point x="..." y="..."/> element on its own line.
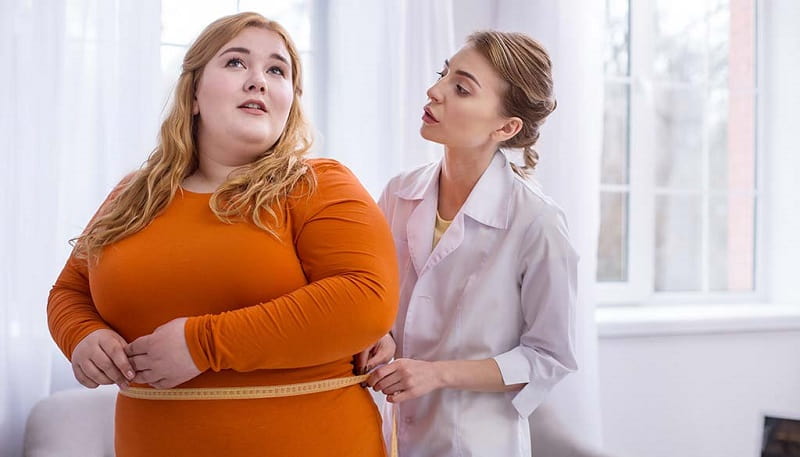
<point x="548" y="277"/>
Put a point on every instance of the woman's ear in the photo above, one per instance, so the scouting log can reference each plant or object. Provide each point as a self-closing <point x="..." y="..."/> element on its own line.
<point x="510" y="127"/>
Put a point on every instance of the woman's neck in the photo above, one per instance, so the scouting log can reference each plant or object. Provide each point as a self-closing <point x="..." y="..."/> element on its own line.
<point x="461" y="170"/>
<point x="208" y="176"/>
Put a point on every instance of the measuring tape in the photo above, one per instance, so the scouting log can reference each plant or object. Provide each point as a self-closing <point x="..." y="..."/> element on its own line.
<point x="250" y="392"/>
<point x="243" y="393"/>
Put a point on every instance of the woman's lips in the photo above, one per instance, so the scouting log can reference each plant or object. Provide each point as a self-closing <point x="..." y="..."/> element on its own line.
<point x="428" y="118"/>
<point x="253" y="111"/>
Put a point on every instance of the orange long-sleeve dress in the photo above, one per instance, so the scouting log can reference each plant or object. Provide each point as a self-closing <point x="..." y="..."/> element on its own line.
<point x="266" y="312"/>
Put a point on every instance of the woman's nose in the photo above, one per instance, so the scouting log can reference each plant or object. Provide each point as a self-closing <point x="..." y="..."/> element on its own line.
<point x="256" y="82"/>
<point x="433" y="93"/>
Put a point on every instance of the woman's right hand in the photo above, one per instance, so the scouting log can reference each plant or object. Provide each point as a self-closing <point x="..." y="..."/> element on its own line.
<point x="380" y="353"/>
<point x="100" y="359"/>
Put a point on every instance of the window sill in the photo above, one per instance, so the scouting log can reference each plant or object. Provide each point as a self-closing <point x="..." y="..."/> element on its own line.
<point x="646" y="321"/>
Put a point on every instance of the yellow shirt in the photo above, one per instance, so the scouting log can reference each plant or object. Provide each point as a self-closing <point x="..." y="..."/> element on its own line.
<point x="439" y="228"/>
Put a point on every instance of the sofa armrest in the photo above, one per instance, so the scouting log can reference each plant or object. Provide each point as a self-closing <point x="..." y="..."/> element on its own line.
<point x="75" y="422"/>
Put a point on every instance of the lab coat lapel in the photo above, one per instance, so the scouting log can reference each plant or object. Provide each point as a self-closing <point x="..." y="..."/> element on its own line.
<point x="419" y="226"/>
<point x="419" y="231"/>
<point x="449" y="242"/>
<point x="487" y="204"/>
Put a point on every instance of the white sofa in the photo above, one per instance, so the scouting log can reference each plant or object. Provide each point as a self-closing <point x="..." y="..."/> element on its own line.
<point x="80" y="423"/>
<point x="72" y="423"/>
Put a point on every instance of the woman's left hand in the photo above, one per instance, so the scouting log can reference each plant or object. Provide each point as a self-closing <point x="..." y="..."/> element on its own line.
<point x="405" y="379"/>
<point x="379" y="354"/>
<point x="162" y="358"/>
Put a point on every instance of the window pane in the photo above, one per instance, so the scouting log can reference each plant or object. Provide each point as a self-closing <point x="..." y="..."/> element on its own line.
<point x="719" y="37"/>
<point x="731" y="106"/>
<point x="615" y="135"/>
<point x="612" y="249"/>
<point x="732" y="151"/>
<point x="183" y="20"/>
<point x="678" y="137"/>
<point x="732" y="44"/>
<point x="678" y="259"/>
<point x="718" y="139"/>
<point x="618" y="32"/>
<point x="680" y="40"/>
<point x="731" y="238"/>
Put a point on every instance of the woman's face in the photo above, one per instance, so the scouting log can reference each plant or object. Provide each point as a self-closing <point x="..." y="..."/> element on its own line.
<point x="465" y="103"/>
<point x="243" y="97"/>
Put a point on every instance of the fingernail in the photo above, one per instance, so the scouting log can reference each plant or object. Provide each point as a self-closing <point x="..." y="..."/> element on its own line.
<point x="130" y="375"/>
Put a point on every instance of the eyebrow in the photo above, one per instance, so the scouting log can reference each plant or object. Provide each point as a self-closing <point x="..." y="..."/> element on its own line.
<point x="247" y="51"/>
<point x="464" y="73"/>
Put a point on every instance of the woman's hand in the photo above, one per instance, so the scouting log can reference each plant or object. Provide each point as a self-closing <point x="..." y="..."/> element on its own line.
<point x="379" y="354"/>
<point x="405" y="379"/>
<point x="100" y="359"/>
<point x="162" y="358"/>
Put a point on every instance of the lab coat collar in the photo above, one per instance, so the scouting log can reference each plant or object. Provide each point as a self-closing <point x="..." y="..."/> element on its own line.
<point x="488" y="203"/>
<point x="489" y="200"/>
<point x="417" y="189"/>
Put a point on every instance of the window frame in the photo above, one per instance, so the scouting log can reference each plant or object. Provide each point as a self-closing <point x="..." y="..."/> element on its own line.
<point x="639" y="288"/>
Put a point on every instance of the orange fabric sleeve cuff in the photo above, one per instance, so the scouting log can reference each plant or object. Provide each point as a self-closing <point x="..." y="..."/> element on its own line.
<point x="195" y="334"/>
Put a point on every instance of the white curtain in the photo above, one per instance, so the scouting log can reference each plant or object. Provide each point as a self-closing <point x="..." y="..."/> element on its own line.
<point x="375" y="61"/>
<point x="79" y="107"/>
<point x="379" y="59"/>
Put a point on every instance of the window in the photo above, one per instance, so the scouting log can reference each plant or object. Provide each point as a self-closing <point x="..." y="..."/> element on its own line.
<point x="679" y="188"/>
<point x="183" y="20"/>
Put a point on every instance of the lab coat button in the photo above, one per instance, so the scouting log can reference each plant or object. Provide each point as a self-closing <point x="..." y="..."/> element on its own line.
<point x="408" y="420"/>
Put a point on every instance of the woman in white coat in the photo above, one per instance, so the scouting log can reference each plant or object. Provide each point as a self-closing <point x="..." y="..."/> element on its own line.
<point x="488" y="275"/>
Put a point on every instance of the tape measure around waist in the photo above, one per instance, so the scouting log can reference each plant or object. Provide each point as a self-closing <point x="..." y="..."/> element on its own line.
<point x="252" y="392"/>
<point x="242" y="393"/>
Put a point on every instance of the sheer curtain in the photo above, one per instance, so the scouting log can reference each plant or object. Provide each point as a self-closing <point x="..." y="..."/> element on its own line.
<point x="380" y="59"/>
<point x="79" y="104"/>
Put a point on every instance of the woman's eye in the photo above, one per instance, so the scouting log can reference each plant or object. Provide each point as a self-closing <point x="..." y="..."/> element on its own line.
<point x="441" y="74"/>
<point x="276" y="70"/>
<point x="235" y="62"/>
<point x="461" y="91"/>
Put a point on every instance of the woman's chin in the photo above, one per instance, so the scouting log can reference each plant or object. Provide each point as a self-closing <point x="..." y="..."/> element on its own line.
<point x="257" y="140"/>
<point x="426" y="133"/>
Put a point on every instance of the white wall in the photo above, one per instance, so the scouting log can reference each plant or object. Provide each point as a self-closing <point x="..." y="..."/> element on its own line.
<point x="696" y="395"/>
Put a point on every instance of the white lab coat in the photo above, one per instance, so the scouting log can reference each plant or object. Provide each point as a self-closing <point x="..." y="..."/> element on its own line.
<point x="500" y="284"/>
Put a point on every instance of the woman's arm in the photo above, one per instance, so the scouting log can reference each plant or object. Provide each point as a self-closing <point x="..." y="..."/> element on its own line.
<point x="95" y="350"/>
<point x="71" y="314"/>
<point x="476" y="375"/>
<point x="405" y="379"/>
<point x="347" y="254"/>
<point x="547" y="296"/>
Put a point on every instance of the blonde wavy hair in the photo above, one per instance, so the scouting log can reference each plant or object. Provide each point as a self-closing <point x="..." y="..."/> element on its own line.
<point x="525" y="65"/>
<point x="254" y="189"/>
